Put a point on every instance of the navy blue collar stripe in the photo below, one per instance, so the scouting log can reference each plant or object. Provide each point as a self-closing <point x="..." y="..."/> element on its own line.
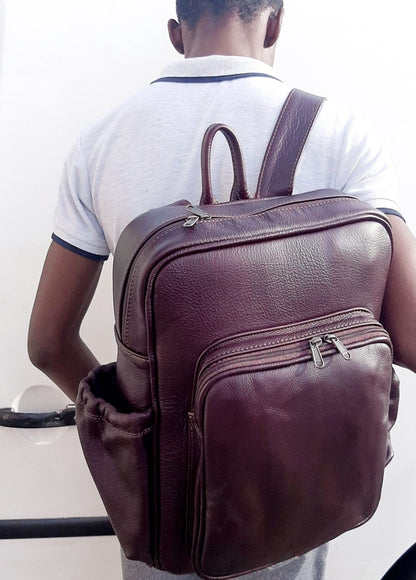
<point x="212" y="79"/>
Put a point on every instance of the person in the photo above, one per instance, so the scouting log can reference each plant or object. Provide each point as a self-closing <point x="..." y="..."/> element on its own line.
<point x="146" y="153"/>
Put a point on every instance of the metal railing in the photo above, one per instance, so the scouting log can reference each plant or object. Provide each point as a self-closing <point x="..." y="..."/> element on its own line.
<point x="16" y="420"/>
<point x="20" y="529"/>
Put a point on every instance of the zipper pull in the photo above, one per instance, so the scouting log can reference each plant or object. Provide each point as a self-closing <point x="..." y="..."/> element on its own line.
<point x="333" y="339"/>
<point x="197" y="214"/>
<point x="315" y="343"/>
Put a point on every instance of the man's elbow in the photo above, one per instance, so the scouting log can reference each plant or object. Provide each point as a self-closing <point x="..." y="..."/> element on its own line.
<point x="45" y="353"/>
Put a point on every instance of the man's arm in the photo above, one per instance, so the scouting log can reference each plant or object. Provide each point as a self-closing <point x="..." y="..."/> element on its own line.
<point x="399" y="306"/>
<point x="66" y="288"/>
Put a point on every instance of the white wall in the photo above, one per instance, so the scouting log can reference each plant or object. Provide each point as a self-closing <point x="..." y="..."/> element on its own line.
<point x="65" y="63"/>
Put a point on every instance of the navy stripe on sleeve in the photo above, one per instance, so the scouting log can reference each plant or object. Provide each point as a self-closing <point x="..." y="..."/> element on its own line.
<point x="389" y="211"/>
<point x="78" y="251"/>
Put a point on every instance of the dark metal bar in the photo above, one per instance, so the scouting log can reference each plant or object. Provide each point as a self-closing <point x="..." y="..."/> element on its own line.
<point x="15" y="420"/>
<point x="55" y="528"/>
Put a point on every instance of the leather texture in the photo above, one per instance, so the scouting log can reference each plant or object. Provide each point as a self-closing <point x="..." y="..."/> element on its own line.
<point x="247" y="418"/>
<point x="239" y="189"/>
<point x="287" y="142"/>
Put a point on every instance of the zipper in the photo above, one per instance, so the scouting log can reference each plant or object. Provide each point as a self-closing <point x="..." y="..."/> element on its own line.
<point x="333" y="339"/>
<point x="190" y="481"/>
<point x="316" y="343"/>
<point x="197" y="214"/>
<point x="285" y="350"/>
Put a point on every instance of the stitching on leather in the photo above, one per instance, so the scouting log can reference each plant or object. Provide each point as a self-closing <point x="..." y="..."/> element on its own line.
<point x="176" y="226"/>
<point x="292" y="176"/>
<point x="278" y="342"/>
<point x="136" y="266"/>
<point x="128" y="352"/>
<point x="142" y="358"/>
<point x="145" y="359"/>
<point x="341" y="317"/>
<point x="379" y="340"/>
<point x="272" y="140"/>
<point x="118" y="429"/>
<point x="277" y="209"/>
<point x="280" y="208"/>
<point x="162" y="225"/>
<point x="244" y="216"/>
<point x="208" y="168"/>
<point x="233" y="144"/>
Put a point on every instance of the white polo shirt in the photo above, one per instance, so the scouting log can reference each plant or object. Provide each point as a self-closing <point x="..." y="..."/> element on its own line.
<point x="146" y="153"/>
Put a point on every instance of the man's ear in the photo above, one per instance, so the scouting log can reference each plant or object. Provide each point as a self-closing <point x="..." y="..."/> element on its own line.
<point x="274" y="26"/>
<point x="175" y="35"/>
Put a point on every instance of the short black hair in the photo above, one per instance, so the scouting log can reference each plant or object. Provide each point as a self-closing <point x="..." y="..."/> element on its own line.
<point x="191" y="11"/>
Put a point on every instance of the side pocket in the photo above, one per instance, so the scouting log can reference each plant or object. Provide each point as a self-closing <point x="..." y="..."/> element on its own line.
<point x="118" y="448"/>
<point x="133" y="377"/>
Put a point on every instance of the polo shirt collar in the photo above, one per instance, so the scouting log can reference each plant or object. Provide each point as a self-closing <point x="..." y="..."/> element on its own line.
<point x="217" y="65"/>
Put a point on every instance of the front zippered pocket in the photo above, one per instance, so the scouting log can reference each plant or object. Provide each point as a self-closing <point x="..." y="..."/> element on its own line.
<point x="311" y="340"/>
<point x="291" y="422"/>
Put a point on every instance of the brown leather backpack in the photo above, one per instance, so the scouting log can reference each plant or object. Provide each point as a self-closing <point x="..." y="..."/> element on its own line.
<point x="247" y="418"/>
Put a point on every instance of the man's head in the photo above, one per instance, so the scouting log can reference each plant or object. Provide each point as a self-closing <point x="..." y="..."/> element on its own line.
<point x="228" y="27"/>
<point x="191" y="11"/>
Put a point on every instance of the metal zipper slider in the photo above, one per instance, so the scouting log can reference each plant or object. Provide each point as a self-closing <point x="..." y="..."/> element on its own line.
<point x="333" y="339"/>
<point x="197" y="214"/>
<point x="315" y="343"/>
<point x="191" y="221"/>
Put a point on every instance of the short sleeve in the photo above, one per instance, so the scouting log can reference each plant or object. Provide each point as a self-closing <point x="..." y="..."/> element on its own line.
<point x="75" y="223"/>
<point x="365" y="168"/>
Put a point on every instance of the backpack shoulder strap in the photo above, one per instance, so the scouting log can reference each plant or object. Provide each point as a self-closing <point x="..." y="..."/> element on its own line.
<point x="286" y="143"/>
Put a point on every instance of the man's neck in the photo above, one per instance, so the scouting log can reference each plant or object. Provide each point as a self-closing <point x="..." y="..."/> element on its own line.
<point x="226" y="36"/>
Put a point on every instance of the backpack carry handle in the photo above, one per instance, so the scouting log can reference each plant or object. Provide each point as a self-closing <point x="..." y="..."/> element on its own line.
<point x="239" y="189"/>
